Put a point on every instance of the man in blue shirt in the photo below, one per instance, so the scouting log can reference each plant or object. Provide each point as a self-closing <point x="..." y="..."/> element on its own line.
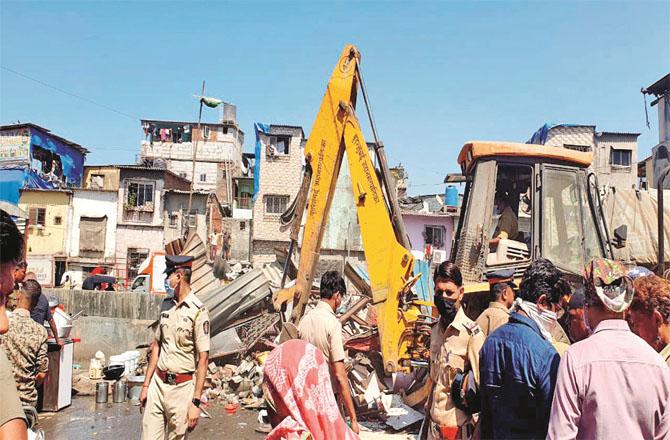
<point x="518" y="363"/>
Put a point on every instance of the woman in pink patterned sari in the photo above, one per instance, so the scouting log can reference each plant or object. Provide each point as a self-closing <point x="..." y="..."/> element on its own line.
<point x="297" y="387"/>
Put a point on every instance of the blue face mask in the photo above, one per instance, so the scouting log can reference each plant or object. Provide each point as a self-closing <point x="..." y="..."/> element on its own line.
<point x="169" y="290"/>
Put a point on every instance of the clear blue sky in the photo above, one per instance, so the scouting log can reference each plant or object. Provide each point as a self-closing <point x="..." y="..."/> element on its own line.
<point x="438" y="74"/>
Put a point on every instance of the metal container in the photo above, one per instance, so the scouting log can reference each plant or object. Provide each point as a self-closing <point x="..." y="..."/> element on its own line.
<point x="120" y="391"/>
<point x="135" y="387"/>
<point x="63" y="331"/>
<point x="101" y="390"/>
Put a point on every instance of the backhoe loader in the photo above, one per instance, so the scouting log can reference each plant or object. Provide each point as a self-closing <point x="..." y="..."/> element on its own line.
<point x="386" y="246"/>
<point x="551" y="191"/>
<point x="557" y="204"/>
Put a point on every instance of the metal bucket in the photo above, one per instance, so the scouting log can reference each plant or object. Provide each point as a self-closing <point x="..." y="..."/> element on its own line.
<point x="120" y="391"/>
<point x="135" y="387"/>
<point x="101" y="390"/>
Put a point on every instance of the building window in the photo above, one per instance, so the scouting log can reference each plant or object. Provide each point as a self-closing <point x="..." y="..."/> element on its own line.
<point x="58" y="220"/>
<point x="275" y="204"/>
<point x="135" y="258"/>
<point x="621" y="158"/>
<point x="182" y="175"/>
<point x="174" y="219"/>
<point x="92" y="233"/>
<point x="434" y="236"/>
<point x="205" y="132"/>
<point x="97" y="181"/>
<point x="583" y="148"/>
<point x="224" y="130"/>
<point x="280" y="144"/>
<point x="140" y="195"/>
<point x="243" y="226"/>
<point x="203" y="177"/>
<point x="37" y="216"/>
<point x="283" y="143"/>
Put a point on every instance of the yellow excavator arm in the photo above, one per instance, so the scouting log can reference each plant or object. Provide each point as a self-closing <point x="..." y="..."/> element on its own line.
<point x="390" y="264"/>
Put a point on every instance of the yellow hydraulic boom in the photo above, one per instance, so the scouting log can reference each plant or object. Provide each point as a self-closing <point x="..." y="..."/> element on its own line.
<point x="390" y="264"/>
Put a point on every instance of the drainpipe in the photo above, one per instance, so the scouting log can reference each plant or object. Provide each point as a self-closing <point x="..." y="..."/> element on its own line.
<point x="661" y="235"/>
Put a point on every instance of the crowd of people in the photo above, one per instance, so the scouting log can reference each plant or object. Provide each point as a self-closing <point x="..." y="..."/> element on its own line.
<point x="542" y="361"/>
<point x="23" y="336"/>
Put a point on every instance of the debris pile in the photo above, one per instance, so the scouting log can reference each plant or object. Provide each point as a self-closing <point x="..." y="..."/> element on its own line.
<point x="245" y="327"/>
<point x="233" y="384"/>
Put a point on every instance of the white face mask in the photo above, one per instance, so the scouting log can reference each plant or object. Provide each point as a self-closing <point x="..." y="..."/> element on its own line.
<point x="545" y="319"/>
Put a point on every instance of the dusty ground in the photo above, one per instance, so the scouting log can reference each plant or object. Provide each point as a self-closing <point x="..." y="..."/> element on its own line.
<point x="115" y="421"/>
<point x="85" y="419"/>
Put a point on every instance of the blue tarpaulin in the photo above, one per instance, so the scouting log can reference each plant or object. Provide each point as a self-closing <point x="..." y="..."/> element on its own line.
<point x="11" y="181"/>
<point x="425" y="288"/>
<point x="15" y="177"/>
<point x="71" y="159"/>
<point x="265" y="129"/>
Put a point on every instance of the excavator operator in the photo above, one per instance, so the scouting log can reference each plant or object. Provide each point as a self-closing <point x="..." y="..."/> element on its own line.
<point x="508" y="223"/>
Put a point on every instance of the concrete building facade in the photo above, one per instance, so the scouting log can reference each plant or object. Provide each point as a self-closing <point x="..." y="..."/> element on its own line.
<point x="172" y="144"/>
<point x="47" y="232"/>
<point x="280" y="175"/>
<point x="429" y="226"/>
<point x="140" y="228"/>
<point x="93" y="231"/>
<point x="660" y="154"/>
<point x="176" y="222"/>
<point x="614" y="153"/>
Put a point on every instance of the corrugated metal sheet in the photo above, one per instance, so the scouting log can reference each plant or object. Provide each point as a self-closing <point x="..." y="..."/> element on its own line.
<point x="227" y="303"/>
<point x="202" y="277"/>
<point x="241" y="337"/>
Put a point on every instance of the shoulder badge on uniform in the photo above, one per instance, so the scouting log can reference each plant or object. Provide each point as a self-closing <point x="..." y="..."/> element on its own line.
<point x="472" y="327"/>
<point x="197" y="302"/>
<point x="205" y="327"/>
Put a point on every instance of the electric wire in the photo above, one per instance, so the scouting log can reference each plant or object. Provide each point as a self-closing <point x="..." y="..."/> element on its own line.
<point x="74" y="95"/>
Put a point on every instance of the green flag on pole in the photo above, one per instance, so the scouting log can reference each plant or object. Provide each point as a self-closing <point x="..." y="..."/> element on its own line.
<point x="210" y="102"/>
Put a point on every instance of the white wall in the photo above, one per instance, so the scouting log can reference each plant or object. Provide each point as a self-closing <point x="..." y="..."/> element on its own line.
<point x="93" y="203"/>
<point x="139" y="237"/>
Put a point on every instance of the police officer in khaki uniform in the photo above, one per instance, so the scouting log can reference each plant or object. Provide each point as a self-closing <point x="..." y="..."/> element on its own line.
<point x="178" y="365"/>
<point x="501" y="288"/>
<point x="455" y="342"/>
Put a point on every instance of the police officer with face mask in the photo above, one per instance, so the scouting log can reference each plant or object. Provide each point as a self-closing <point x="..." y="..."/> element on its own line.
<point x="178" y="365"/>
<point x="455" y="342"/>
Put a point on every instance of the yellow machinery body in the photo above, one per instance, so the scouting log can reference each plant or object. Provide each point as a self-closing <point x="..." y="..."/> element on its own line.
<point x="390" y="265"/>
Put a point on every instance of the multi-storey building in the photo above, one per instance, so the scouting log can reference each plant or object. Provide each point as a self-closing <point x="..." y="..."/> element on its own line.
<point x="140" y="191"/>
<point x="614" y="153"/>
<point x="218" y="146"/>
<point x="279" y="164"/>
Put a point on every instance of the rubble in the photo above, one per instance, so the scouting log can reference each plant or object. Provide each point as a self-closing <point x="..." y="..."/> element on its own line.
<point x="245" y="328"/>
<point x="237" y="384"/>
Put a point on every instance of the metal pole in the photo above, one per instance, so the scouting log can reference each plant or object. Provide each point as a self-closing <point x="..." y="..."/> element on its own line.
<point x="195" y="150"/>
<point x="394" y="207"/>
<point x="661" y="235"/>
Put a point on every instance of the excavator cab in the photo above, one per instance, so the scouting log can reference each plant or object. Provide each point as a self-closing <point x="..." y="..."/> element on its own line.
<point x="524" y="202"/>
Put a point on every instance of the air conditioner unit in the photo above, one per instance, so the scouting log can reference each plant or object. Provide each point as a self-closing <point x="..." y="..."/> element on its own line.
<point x="439" y="256"/>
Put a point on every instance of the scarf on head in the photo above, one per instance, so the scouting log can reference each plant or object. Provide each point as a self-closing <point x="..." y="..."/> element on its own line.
<point x="545" y="319"/>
